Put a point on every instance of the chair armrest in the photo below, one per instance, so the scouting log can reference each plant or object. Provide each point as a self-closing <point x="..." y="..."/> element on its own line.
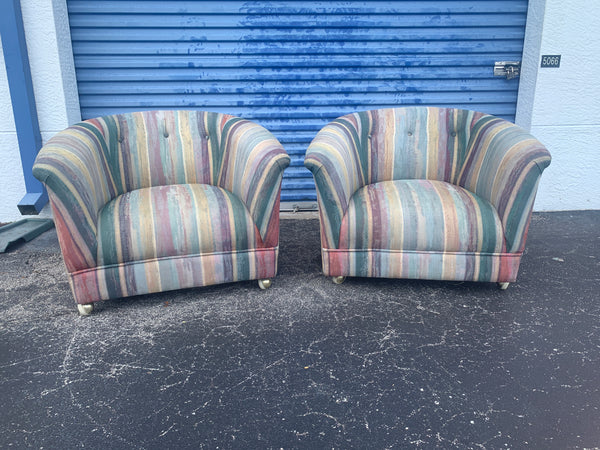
<point x="503" y="165"/>
<point x="73" y="168"/>
<point x="334" y="158"/>
<point x="252" y="168"/>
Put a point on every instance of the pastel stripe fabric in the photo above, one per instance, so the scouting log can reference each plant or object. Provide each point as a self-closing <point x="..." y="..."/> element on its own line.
<point x="194" y="219"/>
<point x="420" y="215"/>
<point x="421" y="229"/>
<point x="493" y="162"/>
<point x="159" y="275"/>
<point x="163" y="174"/>
<point x="503" y="165"/>
<point x="383" y="145"/>
<point x="429" y="265"/>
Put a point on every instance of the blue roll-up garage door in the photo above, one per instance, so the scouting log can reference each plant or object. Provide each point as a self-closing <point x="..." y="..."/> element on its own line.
<point x="295" y="65"/>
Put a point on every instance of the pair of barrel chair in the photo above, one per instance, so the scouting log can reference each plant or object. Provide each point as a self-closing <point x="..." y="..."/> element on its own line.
<point x="154" y="201"/>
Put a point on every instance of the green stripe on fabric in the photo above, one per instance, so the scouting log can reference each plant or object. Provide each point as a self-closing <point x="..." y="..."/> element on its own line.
<point x="179" y="132"/>
<point x="240" y="223"/>
<point x="106" y="232"/>
<point x="361" y="142"/>
<point x="513" y="225"/>
<point x="485" y="213"/>
<point x="329" y="203"/>
<point x="226" y="134"/>
<point x="216" y="142"/>
<point x="112" y="150"/>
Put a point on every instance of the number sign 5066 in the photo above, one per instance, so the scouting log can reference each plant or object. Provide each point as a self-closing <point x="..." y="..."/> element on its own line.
<point x="550" y="60"/>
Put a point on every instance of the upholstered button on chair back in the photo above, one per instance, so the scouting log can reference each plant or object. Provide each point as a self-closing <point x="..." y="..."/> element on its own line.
<point x="158" y="200"/>
<point x="408" y="143"/>
<point x="401" y="188"/>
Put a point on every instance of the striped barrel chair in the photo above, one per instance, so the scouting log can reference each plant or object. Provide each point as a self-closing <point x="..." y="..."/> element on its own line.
<point x="426" y="193"/>
<point x="154" y="201"/>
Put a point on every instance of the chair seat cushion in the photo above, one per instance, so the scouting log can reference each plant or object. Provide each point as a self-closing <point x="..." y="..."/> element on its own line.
<point x="175" y="220"/>
<point x="421" y="216"/>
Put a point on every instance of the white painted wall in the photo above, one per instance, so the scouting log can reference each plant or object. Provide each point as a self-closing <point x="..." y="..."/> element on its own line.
<point x="12" y="184"/>
<point x="561" y="107"/>
<point x="48" y="38"/>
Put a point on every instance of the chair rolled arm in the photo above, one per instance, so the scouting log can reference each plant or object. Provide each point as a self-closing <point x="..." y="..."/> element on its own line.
<point x="252" y="166"/>
<point x="504" y="164"/>
<point x="73" y="167"/>
<point x="334" y="158"/>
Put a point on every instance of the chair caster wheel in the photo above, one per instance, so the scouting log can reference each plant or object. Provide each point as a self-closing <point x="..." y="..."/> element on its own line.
<point x="86" y="309"/>
<point x="264" y="284"/>
<point x="338" y="280"/>
<point x="503" y="286"/>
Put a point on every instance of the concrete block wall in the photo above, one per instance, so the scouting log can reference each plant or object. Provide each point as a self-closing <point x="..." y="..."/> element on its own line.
<point x="12" y="184"/>
<point x="566" y="111"/>
<point x="53" y="74"/>
<point x="561" y="107"/>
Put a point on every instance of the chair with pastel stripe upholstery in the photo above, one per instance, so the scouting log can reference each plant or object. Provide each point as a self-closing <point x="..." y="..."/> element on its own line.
<point x="425" y="193"/>
<point x="160" y="200"/>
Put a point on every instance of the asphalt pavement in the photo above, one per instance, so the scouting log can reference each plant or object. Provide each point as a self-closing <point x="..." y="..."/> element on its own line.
<point x="371" y="363"/>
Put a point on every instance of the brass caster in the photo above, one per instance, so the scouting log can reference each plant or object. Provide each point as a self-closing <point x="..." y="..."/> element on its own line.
<point x="338" y="280"/>
<point x="503" y="286"/>
<point x="85" y="310"/>
<point x="264" y="284"/>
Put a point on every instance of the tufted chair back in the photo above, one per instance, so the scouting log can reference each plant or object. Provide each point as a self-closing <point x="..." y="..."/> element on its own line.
<point x="486" y="155"/>
<point x="159" y="148"/>
<point x="92" y="162"/>
<point x="408" y="143"/>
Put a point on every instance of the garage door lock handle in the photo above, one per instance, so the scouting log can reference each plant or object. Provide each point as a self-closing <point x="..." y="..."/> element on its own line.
<point x="507" y="69"/>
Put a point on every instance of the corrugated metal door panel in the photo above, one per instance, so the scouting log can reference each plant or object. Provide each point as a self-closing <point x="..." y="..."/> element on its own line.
<point x="295" y="65"/>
